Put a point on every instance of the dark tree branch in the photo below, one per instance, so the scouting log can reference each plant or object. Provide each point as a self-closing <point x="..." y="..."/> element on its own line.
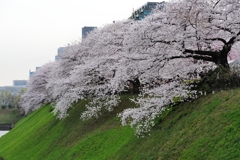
<point x="197" y="57"/>
<point x="216" y="3"/>
<point x="217" y="39"/>
<point x="162" y="41"/>
<point x="225" y="29"/>
<point x="203" y="53"/>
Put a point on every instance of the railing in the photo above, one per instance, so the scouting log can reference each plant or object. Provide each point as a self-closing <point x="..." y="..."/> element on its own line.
<point x="6" y="127"/>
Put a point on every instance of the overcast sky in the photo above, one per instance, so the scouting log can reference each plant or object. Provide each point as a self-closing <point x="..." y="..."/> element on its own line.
<point x="31" y="31"/>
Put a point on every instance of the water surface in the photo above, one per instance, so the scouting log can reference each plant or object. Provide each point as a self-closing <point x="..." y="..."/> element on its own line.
<point x="3" y="132"/>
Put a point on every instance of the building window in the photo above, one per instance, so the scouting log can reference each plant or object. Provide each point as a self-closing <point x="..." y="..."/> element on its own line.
<point x="146" y="12"/>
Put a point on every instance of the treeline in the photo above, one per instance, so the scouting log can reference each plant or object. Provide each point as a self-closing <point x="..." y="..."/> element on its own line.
<point x="10" y="100"/>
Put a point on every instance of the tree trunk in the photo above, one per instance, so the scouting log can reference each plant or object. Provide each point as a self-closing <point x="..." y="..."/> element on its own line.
<point x="135" y="86"/>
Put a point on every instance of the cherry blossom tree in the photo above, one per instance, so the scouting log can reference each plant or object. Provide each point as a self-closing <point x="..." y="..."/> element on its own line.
<point x="36" y="94"/>
<point x="162" y="53"/>
<point x="95" y="72"/>
<point x="202" y="29"/>
<point x="198" y="29"/>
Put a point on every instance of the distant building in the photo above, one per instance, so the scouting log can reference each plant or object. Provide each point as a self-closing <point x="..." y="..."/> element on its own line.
<point x="31" y="73"/>
<point x="86" y="30"/>
<point x="20" y="82"/>
<point x="60" y="51"/>
<point x="145" y="10"/>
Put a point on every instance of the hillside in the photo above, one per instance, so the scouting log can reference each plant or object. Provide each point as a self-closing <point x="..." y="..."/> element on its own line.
<point x="207" y="128"/>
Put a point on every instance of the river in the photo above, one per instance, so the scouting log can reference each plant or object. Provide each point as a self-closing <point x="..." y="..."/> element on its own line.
<point x="3" y="132"/>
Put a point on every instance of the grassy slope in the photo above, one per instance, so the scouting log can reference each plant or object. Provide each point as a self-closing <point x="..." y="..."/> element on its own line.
<point x="207" y="128"/>
<point x="9" y="115"/>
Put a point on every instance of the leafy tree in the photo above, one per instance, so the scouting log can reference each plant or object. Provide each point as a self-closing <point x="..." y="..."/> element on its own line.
<point x="6" y="99"/>
<point x="9" y="100"/>
<point x="18" y="97"/>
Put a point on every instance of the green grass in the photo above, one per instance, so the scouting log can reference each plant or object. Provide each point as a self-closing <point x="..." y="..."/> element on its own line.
<point x="207" y="128"/>
<point x="9" y="115"/>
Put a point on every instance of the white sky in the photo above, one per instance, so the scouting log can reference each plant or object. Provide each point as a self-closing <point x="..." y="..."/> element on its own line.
<point x="31" y="31"/>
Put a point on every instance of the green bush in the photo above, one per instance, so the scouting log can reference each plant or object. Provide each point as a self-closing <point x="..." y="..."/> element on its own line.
<point x="4" y="107"/>
<point x="219" y="79"/>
